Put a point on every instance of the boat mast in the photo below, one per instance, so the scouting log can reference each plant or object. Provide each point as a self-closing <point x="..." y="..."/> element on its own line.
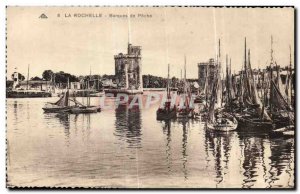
<point x="227" y="80"/>
<point x="246" y="77"/>
<point x="180" y="74"/>
<point x="232" y="89"/>
<point x="184" y="67"/>
<point x="28" y="77"/>
<point x="271" y="76"/>
<point x="88" y="92"/>
<point x="219" y="81"/>
<point x="184" y="79"/>
<point x="290" y="81"/>
<point x="264" y="97"/>
<point x="168" y="82"/>
<point x="186" y="100"/>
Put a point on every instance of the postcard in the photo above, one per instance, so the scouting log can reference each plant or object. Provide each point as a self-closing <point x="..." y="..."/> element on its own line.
<point x="158" y="97"/>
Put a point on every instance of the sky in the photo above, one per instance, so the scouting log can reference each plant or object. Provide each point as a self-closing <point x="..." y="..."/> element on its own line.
<point x="66" y="42"/>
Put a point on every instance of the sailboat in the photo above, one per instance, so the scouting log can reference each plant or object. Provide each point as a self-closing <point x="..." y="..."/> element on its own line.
<point x="283" y="117"/>
<point x="62" y="105"/>
<point x="253" y="115"/>
<point x="80" y="108"/>
<point x="218" y="120"/>
<point x="281" y="109"/>
<point x="185" y="110"/>
<point x="167" y="112"/>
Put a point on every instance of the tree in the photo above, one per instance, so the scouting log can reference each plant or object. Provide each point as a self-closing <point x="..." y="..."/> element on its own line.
<point x="20" y="77"/>
<point x="47" y="75"/>
<point x="62" y="77"/>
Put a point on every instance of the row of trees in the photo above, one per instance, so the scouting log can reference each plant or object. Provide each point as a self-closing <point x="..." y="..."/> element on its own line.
<point x="59" y="77"/>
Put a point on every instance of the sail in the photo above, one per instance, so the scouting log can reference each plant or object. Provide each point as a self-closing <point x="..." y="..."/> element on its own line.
<point x="231" y="87"/>
<point x="218" y="87"/>
<point x="247" y="94"/>
<point x="241" y="92"/>
<point x="278" y="100"/>
<point x="254" y="94"/>
<point x="64" y="100"/>
<point x="288" y="89"/>
<point x="228" y="98"/>
<point x="229" y="83"/>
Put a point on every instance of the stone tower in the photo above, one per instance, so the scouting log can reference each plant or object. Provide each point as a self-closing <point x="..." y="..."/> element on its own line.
<point x="128" y="69"/>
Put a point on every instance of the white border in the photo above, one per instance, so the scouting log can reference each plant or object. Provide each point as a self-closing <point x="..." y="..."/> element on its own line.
<point x="3" y="4"/>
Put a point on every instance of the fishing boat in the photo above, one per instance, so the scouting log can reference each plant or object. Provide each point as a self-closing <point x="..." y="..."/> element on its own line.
<point x="253" y="115"/>
<point x="282" y="113"/>
<point x="281" y="109"/>
<point x="168" y="111"/>
<point x="79" y="108"/>
<point x="218" y="119"/>
<point x="248" y="122"/>
<point x="62" y="105"/>
<point x="186" y="109"/>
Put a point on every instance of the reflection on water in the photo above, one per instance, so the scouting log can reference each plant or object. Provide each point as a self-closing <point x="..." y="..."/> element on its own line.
<point x="184" y="149"/>
<point x="127" y="147"/>
<point x="128" y="125"/>
<point x="219" y="144"/>
<point x="167" y="132"/>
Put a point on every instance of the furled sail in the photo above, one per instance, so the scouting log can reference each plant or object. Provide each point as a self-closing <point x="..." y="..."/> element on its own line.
<point x="254" y="94"/>
<point x="64" y="100"/>
<point x="278" y="100"/>
<point x="251" y="95"/>
<point x="231" y="87"/>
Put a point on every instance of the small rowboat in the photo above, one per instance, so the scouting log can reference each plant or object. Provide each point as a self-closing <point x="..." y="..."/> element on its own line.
<point x="223" y="124"/>
<point x="288" y="131"/>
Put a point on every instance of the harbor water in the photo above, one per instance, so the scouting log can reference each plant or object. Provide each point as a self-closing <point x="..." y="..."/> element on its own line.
<point x="129" y="148"/>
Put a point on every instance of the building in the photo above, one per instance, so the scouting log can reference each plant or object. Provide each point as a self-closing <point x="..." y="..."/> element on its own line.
<point x="75" y="85"/>
<point x="203" y="68"/>
<point x="39" y="85"/>
<point x="128" y="69"/>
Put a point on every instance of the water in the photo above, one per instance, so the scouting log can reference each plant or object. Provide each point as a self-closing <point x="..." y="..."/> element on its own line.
<point x="129" y="148"/>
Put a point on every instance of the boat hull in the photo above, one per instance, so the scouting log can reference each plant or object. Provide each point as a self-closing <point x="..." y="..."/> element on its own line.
<point x="57" y="109"/>
<point x="250" y="125"/>
<point x="228" y="126"/>
<point x="85" y="110"/>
